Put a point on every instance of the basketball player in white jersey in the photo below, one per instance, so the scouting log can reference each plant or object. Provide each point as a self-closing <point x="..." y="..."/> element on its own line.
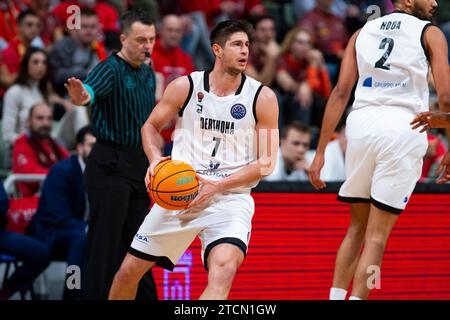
<point x="227" y="129"/>
<point x="388" y="59"/>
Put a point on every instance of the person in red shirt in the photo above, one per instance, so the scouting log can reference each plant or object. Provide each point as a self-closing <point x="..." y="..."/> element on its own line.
<point x="435" y="153"/>
<point x="303" y="77"/>
<point x="107" y="14"/>
<point x="169" y="63"/>
<point x="36" y="151"/>
<point x="9" y="11"/>
<point x="29" y="27"/>
<point x="329" y="33"/>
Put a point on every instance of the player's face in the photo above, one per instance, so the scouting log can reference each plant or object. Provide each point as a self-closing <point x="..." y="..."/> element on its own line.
<point x="37" y="66"/>
<point x="424" y="9"/>
<point x="235" y="53"/>
<point x="295" y="145"/>
<point x="265" y="31"/>
<point x="139" y="41"/>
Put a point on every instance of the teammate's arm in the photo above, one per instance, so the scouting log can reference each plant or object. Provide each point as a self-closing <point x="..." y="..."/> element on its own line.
<point x="267" y="148"/>
<point x="335" y="108"/>
<point x="172" y="100"/>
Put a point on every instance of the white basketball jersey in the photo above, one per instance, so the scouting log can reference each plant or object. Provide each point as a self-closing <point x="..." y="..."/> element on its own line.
<point x="392" y="63"/>
<point x="216" y="135"/>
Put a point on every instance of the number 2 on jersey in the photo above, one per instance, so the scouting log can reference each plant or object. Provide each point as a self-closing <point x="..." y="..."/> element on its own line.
<point x="390" y="45"/>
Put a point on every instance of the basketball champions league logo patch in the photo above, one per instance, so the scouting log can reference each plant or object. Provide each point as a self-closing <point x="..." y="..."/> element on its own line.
<point x="238" y="111"/>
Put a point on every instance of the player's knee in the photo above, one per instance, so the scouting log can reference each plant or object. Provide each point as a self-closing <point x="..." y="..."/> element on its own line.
<point x="356" y="231"/>
<point x="376" y="240"/>
<point x="222" y="270"/>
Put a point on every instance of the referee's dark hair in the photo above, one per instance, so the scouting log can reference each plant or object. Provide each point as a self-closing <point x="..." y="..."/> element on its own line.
<point x="81" y="134"/>
<point x="224" y="29"/>
<point x="132" y="16"/>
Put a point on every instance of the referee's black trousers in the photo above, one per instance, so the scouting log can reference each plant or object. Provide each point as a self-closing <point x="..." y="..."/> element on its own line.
<point x="118" y="204"/>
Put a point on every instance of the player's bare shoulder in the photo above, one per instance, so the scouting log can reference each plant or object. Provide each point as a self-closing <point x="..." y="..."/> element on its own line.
<point x="177" y="91"/>
<point x="267" y="102"/>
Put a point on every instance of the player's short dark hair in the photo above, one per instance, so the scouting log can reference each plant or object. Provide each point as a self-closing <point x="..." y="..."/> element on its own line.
<point x="258" y="19"/>
<point x="135" y="15"/>
<point x="221" y="33"/>
<point x="82" y="133"/>
<point x="23" y="14"/>
<point x="295" y="125"/>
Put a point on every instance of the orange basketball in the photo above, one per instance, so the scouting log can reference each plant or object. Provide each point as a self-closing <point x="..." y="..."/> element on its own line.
<point x="174" y="185"/>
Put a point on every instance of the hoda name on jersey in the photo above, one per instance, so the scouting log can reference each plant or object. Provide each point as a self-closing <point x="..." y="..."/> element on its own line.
<point x="390" y="25"/>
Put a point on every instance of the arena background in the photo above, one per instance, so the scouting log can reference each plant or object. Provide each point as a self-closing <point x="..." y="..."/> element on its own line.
<point x="296" y="234"/>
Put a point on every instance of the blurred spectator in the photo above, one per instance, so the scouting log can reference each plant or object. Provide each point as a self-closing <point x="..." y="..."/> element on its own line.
<point x="238" y="9"/>
<point x="107" y="14"/>
<point x="41" y="7"/>
<point x="329" y="34"/>
<point x="264" y="51"/>
<point x="303" y="78"/>
<point x="34" y="255"/>
<point x="78" y="53"/>
<point x="60" y="220"/>
<point x="334" y="167"/>
<point x="435" y="152"/>
<point x="36" y="151"/>
<point x="169" y="62"/>
<point x="9" y="11"/>
<point x="29" y="27"/>
<point x="293" y="157"/>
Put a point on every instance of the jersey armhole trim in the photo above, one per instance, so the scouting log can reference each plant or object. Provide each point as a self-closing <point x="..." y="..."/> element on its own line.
<point x="188" y="98"/>
<point x="422" y="42"/>
<point x="254" y="102"/>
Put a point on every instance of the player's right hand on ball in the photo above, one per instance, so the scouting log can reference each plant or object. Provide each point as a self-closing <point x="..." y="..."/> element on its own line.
<point x="314" y="172"/>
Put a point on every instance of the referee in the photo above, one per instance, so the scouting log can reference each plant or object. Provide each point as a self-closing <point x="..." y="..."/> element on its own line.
<point x="121" y="92"/>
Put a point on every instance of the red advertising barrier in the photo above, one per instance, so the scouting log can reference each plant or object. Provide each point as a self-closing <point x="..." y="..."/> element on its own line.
<point x="294" y="242"/>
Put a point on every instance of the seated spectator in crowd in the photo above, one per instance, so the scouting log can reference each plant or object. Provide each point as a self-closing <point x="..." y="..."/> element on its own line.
<point x="264" y="51"/>
<point x="294" y="157"/>
<point x="34" y="255"/>
<point x="303" y="79"/>
<point x="60" y="220"/>
<point x="334" y="167"/>
<point x="78" y="53"/>
<point x="29" y="27"/>
<point x="31" y="87"/>
<point x="36" y="151"/>
<point x="169" y="63"/>
<point x="329" y="33"/>
<point x="435" y="152"/>
<point x="42" y="9"/>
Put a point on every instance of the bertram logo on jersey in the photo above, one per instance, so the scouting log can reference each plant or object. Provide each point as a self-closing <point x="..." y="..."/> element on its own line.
<point x="238" y="111"/>
<point x="217" y="125"/>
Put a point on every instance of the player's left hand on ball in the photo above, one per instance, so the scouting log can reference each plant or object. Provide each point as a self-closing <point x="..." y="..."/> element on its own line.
<point x="208" y="189"/>
<point x="314" y="172"/>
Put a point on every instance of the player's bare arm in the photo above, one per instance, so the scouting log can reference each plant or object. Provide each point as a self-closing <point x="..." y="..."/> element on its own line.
<point x="77" y="92"/>
<point x="173" y="98"/>
<point x="267" y="143"/>
<point x="335" y="108"/>
<point x="437" y="47"/>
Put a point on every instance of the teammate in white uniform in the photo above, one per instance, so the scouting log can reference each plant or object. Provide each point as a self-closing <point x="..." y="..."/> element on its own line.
<point x="388" y="59"/>
<point x="227" y="129"/>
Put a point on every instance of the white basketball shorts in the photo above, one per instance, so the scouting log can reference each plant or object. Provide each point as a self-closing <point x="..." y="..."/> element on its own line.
<point x="383" y="160"/>
<point x="165" y="235"/>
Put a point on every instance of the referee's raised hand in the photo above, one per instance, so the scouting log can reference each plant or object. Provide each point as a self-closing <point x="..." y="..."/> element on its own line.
<point x="77" y="92"/>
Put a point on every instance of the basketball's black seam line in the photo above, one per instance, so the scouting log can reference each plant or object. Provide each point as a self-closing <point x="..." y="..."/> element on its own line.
<point x="172" y="176"/>
<point x="175" y="191"/>
<point x="152" y="179"/>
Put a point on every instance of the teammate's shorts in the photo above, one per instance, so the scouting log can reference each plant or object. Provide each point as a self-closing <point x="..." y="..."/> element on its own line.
<point x="165" y="234"/>
<point x="383" y="160"/>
